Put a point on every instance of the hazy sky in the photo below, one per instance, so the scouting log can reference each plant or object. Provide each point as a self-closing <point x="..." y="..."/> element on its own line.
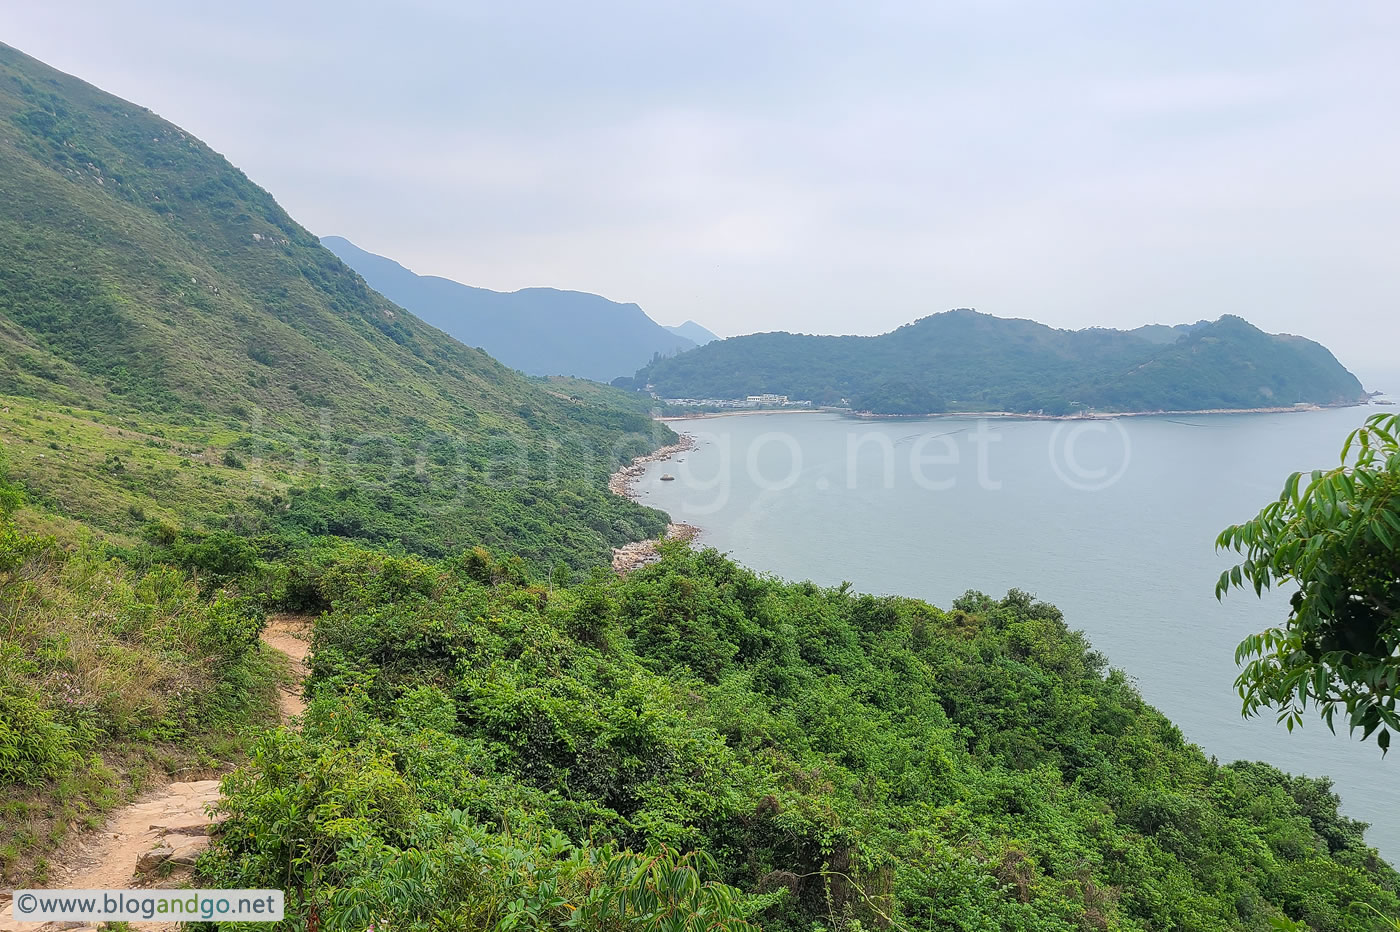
<point x="832" y="168"/>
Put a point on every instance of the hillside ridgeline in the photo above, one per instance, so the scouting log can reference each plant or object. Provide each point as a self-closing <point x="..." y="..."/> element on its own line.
<point x="147" y="284"/>
<point x="965" y="361"/>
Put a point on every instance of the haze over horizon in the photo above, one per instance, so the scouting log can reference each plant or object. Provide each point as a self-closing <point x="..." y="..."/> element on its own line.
<point x="816" y="168"/>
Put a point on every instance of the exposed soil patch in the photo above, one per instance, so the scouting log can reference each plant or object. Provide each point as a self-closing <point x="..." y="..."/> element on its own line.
<point x="290" y="635"/>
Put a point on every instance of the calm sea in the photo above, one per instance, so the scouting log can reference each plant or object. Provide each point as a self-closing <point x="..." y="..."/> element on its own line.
<point x="1113" y="521"/>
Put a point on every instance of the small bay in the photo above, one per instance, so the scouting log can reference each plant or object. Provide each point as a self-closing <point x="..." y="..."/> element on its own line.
<point x="1114" y="521"/>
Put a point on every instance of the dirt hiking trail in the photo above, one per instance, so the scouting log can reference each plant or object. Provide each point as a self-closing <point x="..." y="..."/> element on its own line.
<point x="153" y="841"/>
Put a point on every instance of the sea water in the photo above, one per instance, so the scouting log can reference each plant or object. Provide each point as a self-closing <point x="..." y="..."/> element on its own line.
<point x="1114" y="521"/>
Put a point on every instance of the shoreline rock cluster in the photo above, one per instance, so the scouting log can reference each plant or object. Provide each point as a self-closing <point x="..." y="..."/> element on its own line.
<point x="629" y="557"/>
<point x="639" y="553"/>
<point x="621" y="482"/>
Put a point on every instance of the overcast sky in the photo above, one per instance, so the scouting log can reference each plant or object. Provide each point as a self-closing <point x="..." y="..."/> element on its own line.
<point x="826" y="168"/>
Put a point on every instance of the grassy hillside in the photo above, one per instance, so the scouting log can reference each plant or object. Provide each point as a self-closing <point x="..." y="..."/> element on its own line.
<point x="141" y="275"/>
<point x="143" y="271"/>
<point x="111" y="675"/>
<point x="193" y="391"/>
<point x="962" y="360"/>
<point x="541" y="331"/>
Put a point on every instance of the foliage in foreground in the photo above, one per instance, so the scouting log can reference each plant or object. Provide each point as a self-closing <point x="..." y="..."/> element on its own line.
<point x="478" y="744"/>
<point x="1337" y="538"/>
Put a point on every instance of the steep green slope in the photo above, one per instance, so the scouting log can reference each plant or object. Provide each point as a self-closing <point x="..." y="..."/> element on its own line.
<point x="141" y="273"/>
<point x="962" y="360"/>
<point x="109" y="675"/>
<point x="541" y="331"/>
<point x="196" y="399"/>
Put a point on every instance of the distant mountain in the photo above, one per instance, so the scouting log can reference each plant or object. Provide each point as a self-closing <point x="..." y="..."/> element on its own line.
<point x="963" y="360"/>
<point x="540" y="331"/>
<point x="694" y="332"/>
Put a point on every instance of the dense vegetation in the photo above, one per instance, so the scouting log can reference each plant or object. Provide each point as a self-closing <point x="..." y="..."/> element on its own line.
<point x="477" y="741"/>
<point x="1337" y="537"/>
<point x="208" y="418"/>
<point x="542" y="331"/>
<point x="193" y="391"/>
<point x="965" y="361"/>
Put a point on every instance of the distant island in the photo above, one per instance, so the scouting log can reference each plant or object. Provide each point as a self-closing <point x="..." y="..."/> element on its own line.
<point x="962" y="360"/>
<point x="540" y="331"/>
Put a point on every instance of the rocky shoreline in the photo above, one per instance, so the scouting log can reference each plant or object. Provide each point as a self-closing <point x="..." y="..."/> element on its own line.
<point x="639" y="553"/>
<point x="629" y="557"/>
<point x="621" y="482"/>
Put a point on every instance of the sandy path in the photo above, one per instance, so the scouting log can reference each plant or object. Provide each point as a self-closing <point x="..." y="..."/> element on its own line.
<point x="171" y="818"/>
<point x="290" y="635"/>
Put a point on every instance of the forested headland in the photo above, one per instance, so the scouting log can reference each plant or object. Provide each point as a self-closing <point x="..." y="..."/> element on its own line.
<point x="965" y="361"/>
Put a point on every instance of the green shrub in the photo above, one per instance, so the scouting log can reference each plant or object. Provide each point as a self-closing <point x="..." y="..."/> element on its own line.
<point x="33" y="746"/>
<point x="481" y="752"/>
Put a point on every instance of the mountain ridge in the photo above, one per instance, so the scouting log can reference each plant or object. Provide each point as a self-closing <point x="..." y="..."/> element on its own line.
<point x="538" y="330"/>
<point x="208" y="418"/>
<point x="962" y="360"/>
<point x="694" y="332"/>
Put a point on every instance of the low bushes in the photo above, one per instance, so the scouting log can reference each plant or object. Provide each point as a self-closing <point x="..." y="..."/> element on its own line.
<point x="481" y="747"/>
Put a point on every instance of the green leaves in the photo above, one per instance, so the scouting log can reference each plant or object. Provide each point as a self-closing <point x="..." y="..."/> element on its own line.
<point x="34" y="746"/>
<point x="1335" y="539"/>
<point x="662" y="891"/>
